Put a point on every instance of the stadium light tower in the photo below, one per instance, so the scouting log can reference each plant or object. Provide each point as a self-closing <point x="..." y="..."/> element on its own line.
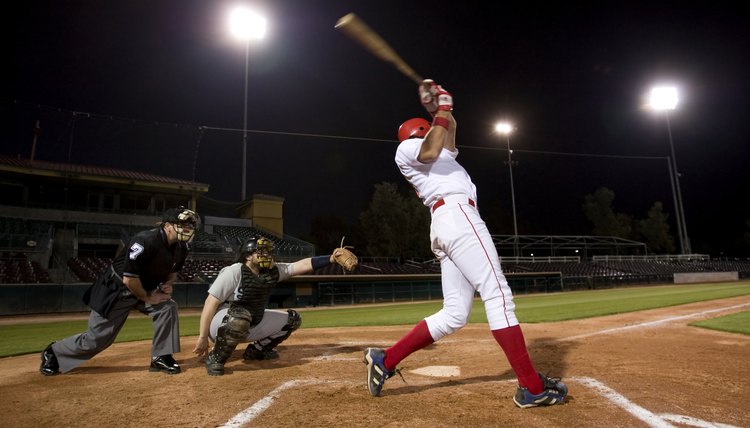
<point x="506" y="128"/>
<point x="246" y="25"/>
<point x="665" y="98"/>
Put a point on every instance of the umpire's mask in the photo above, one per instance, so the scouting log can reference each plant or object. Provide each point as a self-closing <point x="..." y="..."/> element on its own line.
<point x="185" y="222"/>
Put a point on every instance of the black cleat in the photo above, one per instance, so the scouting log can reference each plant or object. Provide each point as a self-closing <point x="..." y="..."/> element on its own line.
<point x="165" y="364"/>
<point x="213" y="366"/>
<point x="554" y="392"/>
<point x="49" y="366"/>
<point x="253" y="353"/>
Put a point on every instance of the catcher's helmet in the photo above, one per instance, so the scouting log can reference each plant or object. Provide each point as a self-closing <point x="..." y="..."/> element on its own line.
<point x="263" y="246"/>
<point x="416" y="127"/>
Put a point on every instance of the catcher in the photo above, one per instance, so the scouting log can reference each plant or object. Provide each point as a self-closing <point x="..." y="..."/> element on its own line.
<point x="235" y="308"/>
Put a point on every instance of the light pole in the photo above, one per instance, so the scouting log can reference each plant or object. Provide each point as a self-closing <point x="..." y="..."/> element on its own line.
<point x="507" y="128"/>
<point x="664" y="98"/>
<point x="246" y="25"/>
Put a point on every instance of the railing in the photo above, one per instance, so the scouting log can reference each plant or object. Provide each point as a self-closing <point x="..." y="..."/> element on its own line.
<point x="663" y="257"/>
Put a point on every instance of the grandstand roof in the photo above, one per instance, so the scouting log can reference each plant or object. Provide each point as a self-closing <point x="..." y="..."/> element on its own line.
<point x="86" y="172"/>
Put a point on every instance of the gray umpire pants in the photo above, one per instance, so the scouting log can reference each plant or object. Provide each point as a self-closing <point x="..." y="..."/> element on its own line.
<point x="75" y="350"/>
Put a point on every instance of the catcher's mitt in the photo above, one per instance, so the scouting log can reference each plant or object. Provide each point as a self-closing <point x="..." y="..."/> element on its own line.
<point x="345" y="258"/>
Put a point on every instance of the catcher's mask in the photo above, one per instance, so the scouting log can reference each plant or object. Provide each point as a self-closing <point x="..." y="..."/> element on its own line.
<point x="416" y="127"/>
<point x="264" y="248"/>
<point x="185" y="221"/>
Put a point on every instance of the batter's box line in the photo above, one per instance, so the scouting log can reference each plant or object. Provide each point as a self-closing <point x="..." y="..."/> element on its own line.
<point x="260" y="406"/>
<point x="651" y="419"/>
<point x="661" y="420"/>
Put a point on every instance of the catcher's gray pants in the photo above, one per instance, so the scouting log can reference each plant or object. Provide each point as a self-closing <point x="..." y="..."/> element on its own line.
<point x="75" y="350"/>
<point x="271" y="326"/>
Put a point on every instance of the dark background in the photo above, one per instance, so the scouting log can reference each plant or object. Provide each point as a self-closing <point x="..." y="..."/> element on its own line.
<point x="129" y="84"/>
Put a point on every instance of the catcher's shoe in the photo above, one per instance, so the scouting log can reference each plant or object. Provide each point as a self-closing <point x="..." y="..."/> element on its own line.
<point x="166" y="364"/>
<point x="254" y="353"/>
<point x="554" y="393"/>
<point x="49" y="366"/>
<point x="376" y="371"/>
<point x="213" y="366"/>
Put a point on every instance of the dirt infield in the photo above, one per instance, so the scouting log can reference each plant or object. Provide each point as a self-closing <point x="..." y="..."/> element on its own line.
<point x="633" y="370"/>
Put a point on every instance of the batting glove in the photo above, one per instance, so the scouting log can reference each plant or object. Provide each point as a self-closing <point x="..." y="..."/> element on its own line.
<point x="428" y="96"/>
<point x="444" y="99"/>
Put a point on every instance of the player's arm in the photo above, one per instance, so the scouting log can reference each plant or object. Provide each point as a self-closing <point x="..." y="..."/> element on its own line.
<point x="135" y="287"/>
<point x="435" y="139"/>
<point x="442" y="133"/>
<point x="450" y="139"/>
<point x="167" y="286"/>
<point x="308" y="265"/>
<point x="210" y="306"/>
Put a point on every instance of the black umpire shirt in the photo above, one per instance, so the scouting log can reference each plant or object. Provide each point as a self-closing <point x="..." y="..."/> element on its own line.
<point x="150" y="258"/>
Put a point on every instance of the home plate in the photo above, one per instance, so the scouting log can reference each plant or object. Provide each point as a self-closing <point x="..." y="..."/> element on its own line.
<point x="438" y="371"/>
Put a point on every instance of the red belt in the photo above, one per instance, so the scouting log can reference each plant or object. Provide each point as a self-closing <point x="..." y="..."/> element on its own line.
<point x="441" y="202"/>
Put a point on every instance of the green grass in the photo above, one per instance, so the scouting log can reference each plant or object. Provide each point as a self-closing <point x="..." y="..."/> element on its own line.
<point x="734" y="323"/>
<point x="25" y="338"/>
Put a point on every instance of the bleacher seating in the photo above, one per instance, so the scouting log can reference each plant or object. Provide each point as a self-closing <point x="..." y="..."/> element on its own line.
<point x="22" y="240"/>
<point x="566" y="268"/>
<point x="202" y="270"/>
<point x="18" y="269"/>
<point x="283" y="248"/>
<point x="205" y="242"/>
<point x="88" y="269"/>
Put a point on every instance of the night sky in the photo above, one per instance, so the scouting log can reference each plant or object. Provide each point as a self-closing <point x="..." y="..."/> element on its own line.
<point x="158" y="87"/>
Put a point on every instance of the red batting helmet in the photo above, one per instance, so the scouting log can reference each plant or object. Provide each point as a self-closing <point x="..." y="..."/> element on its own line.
<point x="416" y="127"/>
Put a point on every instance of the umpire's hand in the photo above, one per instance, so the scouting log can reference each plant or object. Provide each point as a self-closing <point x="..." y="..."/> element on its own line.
<point x="157" y="297"/>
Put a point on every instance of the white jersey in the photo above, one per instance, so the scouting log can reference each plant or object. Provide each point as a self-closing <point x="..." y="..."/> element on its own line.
<point x="459" y="238"/>
<point x="433" y="181"/>
<point x="230" y="277"/>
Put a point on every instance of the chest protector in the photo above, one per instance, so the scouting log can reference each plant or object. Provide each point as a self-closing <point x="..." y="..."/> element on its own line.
<point x="255" y="290"/>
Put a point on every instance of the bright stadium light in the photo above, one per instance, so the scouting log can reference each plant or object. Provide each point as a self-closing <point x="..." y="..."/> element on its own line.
<point x="664" y="99"/>
<point x="506" y="128"/>
<point x="246" y="25"/>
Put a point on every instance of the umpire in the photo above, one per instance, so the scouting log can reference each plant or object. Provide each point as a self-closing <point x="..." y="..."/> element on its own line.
<point x="141" y="277"/>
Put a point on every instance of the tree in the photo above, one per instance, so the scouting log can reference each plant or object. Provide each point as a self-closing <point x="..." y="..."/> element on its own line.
<point x="395" y="224"/>
<point x="655" y="230"/>
<point x="606" y="222"/>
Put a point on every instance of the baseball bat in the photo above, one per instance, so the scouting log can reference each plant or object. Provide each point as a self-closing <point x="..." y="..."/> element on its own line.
<point x="360" y="32"/>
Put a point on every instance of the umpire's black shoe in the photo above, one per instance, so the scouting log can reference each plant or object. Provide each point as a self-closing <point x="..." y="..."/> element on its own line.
<point x="49" y="366"/>
<point x="165" y="364"/>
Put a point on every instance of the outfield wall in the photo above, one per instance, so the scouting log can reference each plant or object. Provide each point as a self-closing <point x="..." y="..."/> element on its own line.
<point x="693" y="277"/>
<point x="302" y="291"/>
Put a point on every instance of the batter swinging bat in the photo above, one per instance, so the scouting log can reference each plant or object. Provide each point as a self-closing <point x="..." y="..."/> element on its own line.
<point x="355" y="28"/>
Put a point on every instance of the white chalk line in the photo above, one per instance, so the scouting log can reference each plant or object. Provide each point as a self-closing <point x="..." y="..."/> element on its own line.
<point x="264" y="403"/>
<point x="651" y="419"/>
<point x="693" y="422"/>
<point x="648" y="417"/>
<point x="650" y="323"/>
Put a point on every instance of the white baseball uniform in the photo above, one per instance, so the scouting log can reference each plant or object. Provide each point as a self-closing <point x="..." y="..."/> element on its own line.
<point x="459" y="237"/>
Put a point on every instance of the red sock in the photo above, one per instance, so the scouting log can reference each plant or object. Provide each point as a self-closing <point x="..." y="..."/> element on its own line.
<point x="413" y="341"/>
<point x="514" y="346"/>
